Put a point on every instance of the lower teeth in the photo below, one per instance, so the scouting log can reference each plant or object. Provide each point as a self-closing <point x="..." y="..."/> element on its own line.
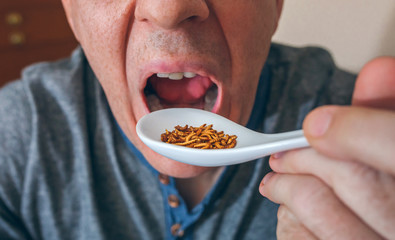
<point x="153" y="103"/>
<point x="210" y="99"/>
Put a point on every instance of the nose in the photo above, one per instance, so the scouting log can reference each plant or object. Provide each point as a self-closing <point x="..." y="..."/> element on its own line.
<point x="170" y="14"/>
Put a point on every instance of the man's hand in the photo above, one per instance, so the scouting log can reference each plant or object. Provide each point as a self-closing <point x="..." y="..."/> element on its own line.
<point x="344" y="186"/>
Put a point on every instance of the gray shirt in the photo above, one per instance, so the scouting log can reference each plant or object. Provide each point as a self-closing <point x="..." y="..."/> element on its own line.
<point x="66" y="172"/>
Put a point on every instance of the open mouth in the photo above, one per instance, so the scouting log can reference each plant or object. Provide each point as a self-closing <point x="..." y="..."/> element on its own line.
<point x="180" y="89"/>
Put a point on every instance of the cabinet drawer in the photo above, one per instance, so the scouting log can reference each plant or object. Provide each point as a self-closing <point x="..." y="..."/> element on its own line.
<point x="33" y="26"/>
<point x="32" y="31"/>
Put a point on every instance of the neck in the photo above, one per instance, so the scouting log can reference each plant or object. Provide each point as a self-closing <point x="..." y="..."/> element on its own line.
<point x="194" y="189"/>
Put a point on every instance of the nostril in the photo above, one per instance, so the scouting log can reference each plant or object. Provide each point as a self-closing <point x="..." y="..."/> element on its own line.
<point x="191" y="18"/>
<point x="195" y="18"/>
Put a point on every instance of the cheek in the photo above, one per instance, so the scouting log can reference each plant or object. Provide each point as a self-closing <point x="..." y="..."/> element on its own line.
<point x="248" y="35"/>
<point x="102" y="28"/>
<point x="102" y="33"/>
<point x="248" y="38"/>
<point x="136" y="53"/>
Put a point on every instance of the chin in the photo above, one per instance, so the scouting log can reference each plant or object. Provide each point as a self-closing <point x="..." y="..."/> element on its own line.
<point x="171" y="167"/>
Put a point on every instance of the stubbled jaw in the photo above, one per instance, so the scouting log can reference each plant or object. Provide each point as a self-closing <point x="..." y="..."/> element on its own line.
<point x="181" y="89"/>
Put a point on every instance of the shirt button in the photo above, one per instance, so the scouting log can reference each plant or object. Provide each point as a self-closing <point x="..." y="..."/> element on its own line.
<point x="164" y="179"/>
<point x="176" y="230"/>
<point x="173" y="201"/>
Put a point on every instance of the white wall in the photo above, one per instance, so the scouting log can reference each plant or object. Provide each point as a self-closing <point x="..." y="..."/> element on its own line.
<point x="354" y="31"/>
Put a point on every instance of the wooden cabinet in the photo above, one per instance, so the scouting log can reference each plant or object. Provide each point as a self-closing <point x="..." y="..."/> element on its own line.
<point x="32" y="31"/>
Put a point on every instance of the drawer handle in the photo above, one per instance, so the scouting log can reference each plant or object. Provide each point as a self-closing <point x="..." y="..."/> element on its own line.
<point x="14" y="19"/>
<point x="17" y="38"/>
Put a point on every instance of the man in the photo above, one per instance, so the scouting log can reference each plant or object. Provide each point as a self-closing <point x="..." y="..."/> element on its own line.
<point x="72" y="166"/>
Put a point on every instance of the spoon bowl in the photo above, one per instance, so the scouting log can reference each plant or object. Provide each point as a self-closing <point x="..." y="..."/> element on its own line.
<point x="250" y="145"/>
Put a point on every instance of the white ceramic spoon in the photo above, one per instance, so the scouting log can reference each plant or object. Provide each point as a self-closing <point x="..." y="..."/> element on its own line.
<point x="250" y="144"/>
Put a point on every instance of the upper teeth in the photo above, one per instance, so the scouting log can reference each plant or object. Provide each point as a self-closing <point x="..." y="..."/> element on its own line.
<point x="176" y="75"/>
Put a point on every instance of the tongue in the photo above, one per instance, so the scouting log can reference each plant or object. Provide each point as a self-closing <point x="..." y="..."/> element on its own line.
<point x="185" y="91"/>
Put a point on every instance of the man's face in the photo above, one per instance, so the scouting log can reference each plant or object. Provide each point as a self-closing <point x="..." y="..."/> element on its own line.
<point x="150" y="54"/>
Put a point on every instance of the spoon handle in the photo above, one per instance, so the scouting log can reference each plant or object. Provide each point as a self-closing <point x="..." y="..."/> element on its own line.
<point x="289" y="140"/>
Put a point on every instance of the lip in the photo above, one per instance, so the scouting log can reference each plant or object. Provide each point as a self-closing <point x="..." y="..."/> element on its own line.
<point x="201" y="69"/>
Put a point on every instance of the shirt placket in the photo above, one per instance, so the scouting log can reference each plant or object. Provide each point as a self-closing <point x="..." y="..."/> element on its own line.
<point x="176" y="211"/>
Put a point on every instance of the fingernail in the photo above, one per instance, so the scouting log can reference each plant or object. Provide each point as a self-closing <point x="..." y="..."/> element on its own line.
<point x="278" y="155"/>
<point x="267" y="177"/>
<point x="318" y="121"/>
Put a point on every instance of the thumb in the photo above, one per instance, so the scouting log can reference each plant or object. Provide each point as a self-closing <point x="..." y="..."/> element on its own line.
<point x="375" y="85"/>
<point x="365" y="131"/>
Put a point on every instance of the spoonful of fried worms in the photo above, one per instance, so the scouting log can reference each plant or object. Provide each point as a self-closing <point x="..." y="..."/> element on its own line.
<point x="250" y="145"/>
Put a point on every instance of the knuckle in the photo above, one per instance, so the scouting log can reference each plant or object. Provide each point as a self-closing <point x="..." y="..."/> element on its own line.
<point x="313" y="190"/>
<point x="283" y="214"/>
<point x="368" y="188"/>
<point x="363" y="172"/>
<point x="289" y="227"/>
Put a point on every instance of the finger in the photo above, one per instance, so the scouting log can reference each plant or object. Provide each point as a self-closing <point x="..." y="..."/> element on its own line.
<point x="375" y="85"/>
<point x="367" y="192"/>
<point x="304" y="196"/>
<point x="356" y="133"/>
<point x="289" y="227"/>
